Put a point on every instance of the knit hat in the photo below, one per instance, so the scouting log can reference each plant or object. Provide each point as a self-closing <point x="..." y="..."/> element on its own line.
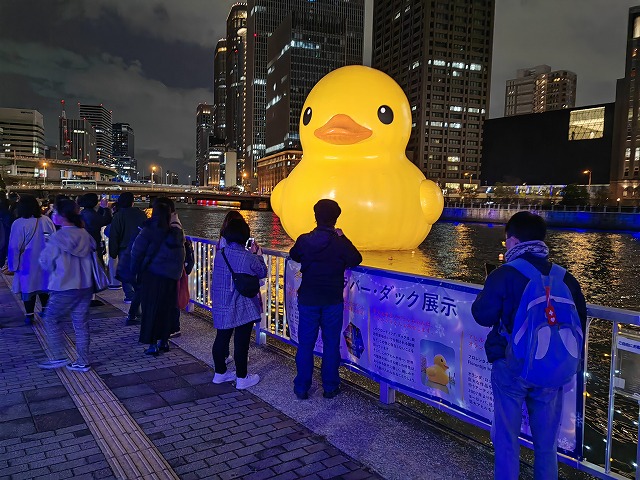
<point x="327" y="212"/>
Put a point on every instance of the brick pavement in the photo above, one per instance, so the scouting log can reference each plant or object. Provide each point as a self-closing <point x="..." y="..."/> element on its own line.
<point x="201" y="429"/>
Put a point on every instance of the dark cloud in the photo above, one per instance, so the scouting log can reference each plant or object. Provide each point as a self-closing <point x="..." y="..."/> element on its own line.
<point x="586" y="37"/>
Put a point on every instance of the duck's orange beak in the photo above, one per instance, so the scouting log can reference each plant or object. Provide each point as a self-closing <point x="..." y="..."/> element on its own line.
<point x="342" y="130"/>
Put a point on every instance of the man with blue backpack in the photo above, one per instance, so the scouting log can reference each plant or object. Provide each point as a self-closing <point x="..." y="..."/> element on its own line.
<point x="537" y="314"/>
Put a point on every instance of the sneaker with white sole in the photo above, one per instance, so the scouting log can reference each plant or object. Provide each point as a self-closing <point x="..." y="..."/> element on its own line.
<point x="249" y="381"/>
<point x="227" y="376"/>
<point x="78" y="367"/>
<point x="51" y="364"/>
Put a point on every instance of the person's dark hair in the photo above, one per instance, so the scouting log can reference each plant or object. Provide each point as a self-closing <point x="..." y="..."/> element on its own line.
<point x="231" y="215"/>
<point x="167" y="201"/>
<point x="161" y="215"/>
<point x="88" y="200"/>
<point x="526" y="226"/>
<point x="125" y="200"/>
<point x="67" y="208"/>
<point x="327" y="212"/>
<point x="28" y="206"/>
<point x="237" y="231"/>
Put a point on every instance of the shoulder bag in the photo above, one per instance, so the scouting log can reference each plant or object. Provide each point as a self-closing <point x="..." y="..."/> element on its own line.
<point x="246" y="284"/>
<point x="100" y="277"/>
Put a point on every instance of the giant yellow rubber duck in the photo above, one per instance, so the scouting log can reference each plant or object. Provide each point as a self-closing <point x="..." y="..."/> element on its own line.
<point x="354" y="128"/>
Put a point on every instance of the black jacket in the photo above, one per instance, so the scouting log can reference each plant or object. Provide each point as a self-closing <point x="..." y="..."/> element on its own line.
<point x="124" y="226"/>
<point x="94" y="221"/>
<point x="324" y="257"/>
<point x="158" y="252"/>
<point x="499" y="300"/>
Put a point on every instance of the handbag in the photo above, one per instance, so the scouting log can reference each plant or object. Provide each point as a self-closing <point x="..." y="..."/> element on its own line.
<point x="183" y="290"/>
<point x="246" y="284"/>
<point x="100" y="277"/>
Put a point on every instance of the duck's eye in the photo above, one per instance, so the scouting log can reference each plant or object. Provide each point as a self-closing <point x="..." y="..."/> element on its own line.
<point x="385" y="114"/>
<point x="306" y="118"/>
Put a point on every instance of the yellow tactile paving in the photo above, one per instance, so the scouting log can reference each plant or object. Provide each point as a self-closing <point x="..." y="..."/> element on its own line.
<point x="130" y="453"/>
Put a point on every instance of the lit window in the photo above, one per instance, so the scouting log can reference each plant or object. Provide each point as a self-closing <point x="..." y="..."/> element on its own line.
<point x="587" y="124"/>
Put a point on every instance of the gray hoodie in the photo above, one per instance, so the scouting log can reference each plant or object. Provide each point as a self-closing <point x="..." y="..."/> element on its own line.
<point x="67" y="256"/>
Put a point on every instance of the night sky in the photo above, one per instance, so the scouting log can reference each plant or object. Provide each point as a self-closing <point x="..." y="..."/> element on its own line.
<point x="151" y="61"/>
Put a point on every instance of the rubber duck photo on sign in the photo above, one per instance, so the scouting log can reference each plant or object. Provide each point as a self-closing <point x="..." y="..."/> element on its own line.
<point x="354" y="129"/>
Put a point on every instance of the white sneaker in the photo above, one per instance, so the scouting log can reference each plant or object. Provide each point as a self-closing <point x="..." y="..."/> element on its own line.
<point x="227" y="376"/>
<point x="249" y="381"/>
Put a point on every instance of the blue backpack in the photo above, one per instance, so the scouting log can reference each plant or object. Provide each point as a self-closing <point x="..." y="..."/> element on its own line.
<point x="545" y="344"/>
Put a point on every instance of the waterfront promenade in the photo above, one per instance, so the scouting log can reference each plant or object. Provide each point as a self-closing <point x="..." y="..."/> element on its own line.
<point x="134" y="416"/>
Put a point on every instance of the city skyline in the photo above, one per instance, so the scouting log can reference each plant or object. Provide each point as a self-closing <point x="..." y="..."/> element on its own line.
<point x="152" y="63"/>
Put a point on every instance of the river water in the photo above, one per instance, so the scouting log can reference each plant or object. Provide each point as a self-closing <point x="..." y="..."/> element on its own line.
<point x="605" y="264"/>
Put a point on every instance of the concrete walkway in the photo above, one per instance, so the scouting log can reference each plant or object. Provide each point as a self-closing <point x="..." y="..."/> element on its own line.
<point x="134" y="416"/>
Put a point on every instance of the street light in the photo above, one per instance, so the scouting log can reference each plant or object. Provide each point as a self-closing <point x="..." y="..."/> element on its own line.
<point x="589" y="185"/>
<point x="153" y="172"/>
<point x="44" y="184"/>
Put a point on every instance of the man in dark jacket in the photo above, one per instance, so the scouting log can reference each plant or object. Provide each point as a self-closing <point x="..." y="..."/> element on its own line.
<point x="496" y="307"/>
<point x="324" y="253"/>
<point x="125" y="226"/>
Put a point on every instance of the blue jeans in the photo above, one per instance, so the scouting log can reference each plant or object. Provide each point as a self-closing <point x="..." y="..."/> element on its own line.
<point x="312" y="318"/>
<point x="545" y="408"/>
<point x="63" y="305"/>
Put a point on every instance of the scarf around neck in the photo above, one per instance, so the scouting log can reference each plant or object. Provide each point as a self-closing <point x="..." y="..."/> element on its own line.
<point x="535" y="247"/>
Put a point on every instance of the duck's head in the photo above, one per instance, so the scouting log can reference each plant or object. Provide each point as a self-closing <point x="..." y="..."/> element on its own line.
<point x="441" y="362"/>
<point x="355" y="111"/>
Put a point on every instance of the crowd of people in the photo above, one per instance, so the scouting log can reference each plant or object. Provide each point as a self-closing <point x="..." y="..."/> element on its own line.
<point x="50" y="257"/>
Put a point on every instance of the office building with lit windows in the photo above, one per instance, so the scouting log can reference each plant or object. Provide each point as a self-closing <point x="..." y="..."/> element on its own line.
<point x="22" y="132"/>
<point x="220" y="89"/>
<point x="625" y="161"/>
<point x="538" y="89"/>
<point x="303" y="49"/>
<point x="77" y="139"/>
<point x="439" y="52"/>
<point x="124" y="157"/>
<point x="550" y="148"/>
<point x="265" y="18"/>
<point x="204" y="124"/>
<point x="100" y="118"/>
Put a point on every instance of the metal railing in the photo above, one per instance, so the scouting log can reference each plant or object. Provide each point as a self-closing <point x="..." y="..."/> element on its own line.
<point x="274" y="323"/>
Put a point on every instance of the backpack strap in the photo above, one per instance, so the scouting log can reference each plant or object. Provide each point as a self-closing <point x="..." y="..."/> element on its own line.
<point x="557" y="271"/>
<point x="525" y="268"/>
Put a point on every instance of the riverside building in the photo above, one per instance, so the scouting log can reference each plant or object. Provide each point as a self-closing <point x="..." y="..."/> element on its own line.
<point x="311" y="28"/>
<point x="22" y="132"/>
<point x="440" y="54"/>
<point x="220" y="89"/>
<point x="625" y="161"/>
<point x="538" y="89"/>
<point x="203" y="131"/>
<point x="124" y="157"/>
<point x="100" y="118"/>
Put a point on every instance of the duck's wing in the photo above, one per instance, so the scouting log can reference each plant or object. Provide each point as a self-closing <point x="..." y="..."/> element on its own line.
<point x="276" y="197"/>
<point x="431" y="200"/>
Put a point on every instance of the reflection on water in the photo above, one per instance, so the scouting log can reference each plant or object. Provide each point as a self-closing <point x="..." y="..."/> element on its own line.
<point x="603" y="262"/>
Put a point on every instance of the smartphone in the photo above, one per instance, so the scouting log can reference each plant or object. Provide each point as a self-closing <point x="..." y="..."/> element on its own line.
<point x="249" y="243"/>
<point x="489" y="267"/>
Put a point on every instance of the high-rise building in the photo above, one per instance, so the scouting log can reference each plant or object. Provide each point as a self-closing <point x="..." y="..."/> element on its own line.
<point x="236" y="70"/>
<point x="220" y="89"/>
<point x="625" y="161"/>
<point x="538" y="89"/>
<point x="22" y="132"/>
<point x="305" y="47"/>
<point x="204" y="123"/>
<point x="264" y="18"/>
<point x="440" y="54"/>
<point x="100" y="118"/>
<point x="77" y="139"/>
<point x="124" y="157"/>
